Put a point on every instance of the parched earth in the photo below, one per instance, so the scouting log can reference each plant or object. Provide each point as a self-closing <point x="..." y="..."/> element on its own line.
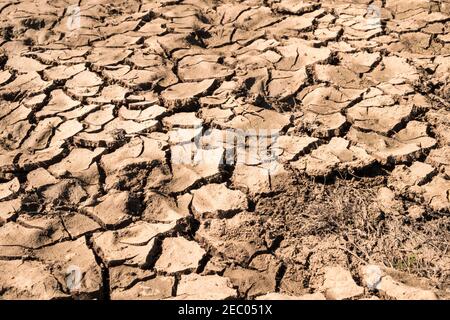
<point x="116" y="182"/>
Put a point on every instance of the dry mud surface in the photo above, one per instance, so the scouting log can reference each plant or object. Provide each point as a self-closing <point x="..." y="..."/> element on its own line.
<point x="98" y="100"/>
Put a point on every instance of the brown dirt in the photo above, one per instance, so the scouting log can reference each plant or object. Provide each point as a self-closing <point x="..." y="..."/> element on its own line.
<point x="116" y="181"/>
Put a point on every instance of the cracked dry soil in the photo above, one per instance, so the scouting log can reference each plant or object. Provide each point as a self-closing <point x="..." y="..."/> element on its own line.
<point x="94" y="106"/>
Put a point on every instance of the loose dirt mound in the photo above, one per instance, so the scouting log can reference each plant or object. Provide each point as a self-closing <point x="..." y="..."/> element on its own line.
<point x="216" y="149"/>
